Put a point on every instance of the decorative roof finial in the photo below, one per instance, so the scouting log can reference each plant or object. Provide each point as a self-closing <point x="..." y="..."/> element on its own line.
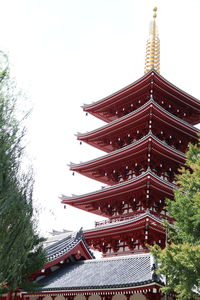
<point x="152" y="60"/>
<point x="155" y="10"/>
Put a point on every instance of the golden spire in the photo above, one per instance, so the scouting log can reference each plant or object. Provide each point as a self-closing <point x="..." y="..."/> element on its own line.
<point x="152" y="60"/>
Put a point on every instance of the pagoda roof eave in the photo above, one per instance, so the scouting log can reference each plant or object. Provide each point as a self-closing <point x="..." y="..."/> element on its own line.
<point x="123" y="223"/>
<point x="173" y="87"/>
<point x="114" y="122"/>
<point x="148" y="76"/>
<point x="123" y="120"/>
<point x="106" y="159"/>
<point x="103" y="101"/>
<point x="78" y="200"/>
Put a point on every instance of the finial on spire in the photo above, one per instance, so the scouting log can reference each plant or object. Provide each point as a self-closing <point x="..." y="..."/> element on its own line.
<point x="152" y="60"/>
<point x="155" y="10"/>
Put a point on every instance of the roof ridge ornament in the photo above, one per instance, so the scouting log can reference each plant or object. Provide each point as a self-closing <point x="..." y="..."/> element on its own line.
<point x="152" y="60"/>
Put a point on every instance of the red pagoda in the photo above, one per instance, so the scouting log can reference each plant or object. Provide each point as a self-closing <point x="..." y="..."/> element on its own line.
<point x="149" y="125"/>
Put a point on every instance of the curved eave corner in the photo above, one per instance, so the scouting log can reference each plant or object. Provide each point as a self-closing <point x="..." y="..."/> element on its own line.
<point x="80" y="248"/>
<point x="77" y="247"/>
<point x="89" y="107"/>
<point x="177" y="89"/>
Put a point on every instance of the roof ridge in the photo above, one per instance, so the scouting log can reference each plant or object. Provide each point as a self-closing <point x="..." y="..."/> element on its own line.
<point x="118" y="257"/>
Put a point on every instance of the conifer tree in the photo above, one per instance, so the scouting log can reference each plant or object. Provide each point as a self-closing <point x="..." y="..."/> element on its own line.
<point x="21" y="251"/>
<point x="180" y="260"/>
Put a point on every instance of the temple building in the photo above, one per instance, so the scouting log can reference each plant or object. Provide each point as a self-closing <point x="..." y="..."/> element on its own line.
<point x="148" y="127"/>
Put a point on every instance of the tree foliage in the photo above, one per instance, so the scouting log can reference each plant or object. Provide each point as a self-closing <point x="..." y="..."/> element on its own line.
<point x="21" y="251"/>
<point x="180" y="260"/>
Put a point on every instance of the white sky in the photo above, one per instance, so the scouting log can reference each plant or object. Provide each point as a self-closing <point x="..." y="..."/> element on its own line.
<point x="64" y="53"/>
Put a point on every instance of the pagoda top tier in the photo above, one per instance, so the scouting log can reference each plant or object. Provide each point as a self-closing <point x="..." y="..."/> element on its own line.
<point x="152" y="84"/>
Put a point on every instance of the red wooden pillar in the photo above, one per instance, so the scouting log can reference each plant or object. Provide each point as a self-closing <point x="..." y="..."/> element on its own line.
<point x="69" y="297"/>
<point x="9" y="295"/>
<point x="108" y="297"/>
<point x="153" y="296"/>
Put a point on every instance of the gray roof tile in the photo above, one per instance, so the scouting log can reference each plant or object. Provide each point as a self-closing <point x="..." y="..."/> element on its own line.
<point x="119" y="271"/>
<point x="64" y="245"/>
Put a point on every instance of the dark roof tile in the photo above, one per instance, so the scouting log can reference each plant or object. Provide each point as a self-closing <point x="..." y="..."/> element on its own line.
<point x="64" y="245"/>
<point x="107" y="272"/>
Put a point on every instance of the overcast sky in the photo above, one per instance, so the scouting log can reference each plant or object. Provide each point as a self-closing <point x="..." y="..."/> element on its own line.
<point x="64" y="53"/>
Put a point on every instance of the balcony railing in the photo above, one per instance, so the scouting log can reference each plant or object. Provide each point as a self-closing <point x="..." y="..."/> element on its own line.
<point x="114" y="220"/>
<point x="118" y="219"/>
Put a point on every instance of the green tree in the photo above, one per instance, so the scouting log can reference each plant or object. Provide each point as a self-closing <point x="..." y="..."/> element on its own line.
<point x="180" y="260"/>
<point x="21" y="251"/>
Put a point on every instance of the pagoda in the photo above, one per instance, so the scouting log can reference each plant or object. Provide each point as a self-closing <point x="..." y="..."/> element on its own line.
<point x="148" y="127"/>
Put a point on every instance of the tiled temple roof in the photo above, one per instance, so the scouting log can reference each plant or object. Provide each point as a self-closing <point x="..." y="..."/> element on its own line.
<point x="65" y="244"/>
<point x="126" y="271"/>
